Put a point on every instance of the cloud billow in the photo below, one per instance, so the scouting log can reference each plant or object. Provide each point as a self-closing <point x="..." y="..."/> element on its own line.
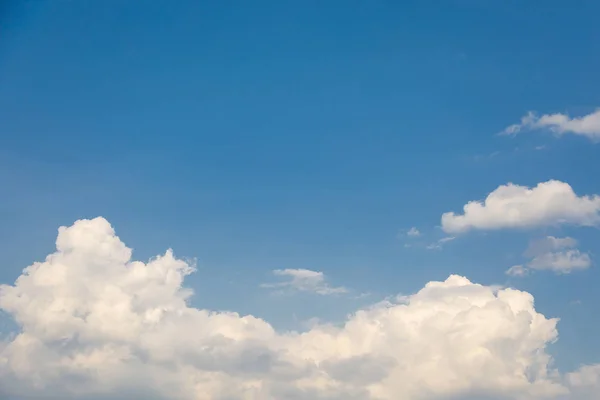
<point x="93" y="324"/>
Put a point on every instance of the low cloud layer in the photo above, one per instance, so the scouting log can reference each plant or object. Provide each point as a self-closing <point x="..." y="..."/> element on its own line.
<point x="96" y="325"/>
<point x="560" y="124"/>
<point x="514" y="206"/>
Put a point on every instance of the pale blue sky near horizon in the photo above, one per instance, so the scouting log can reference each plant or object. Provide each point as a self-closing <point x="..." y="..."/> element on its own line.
<point x="266" y="135"/>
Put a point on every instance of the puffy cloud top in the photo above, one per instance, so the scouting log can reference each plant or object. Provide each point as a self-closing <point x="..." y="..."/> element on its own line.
<point x="96" y="325"/>
<point x="513" y="206"/>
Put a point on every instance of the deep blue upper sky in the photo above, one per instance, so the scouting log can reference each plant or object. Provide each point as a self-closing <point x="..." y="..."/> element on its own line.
<point x="262" y="135"/>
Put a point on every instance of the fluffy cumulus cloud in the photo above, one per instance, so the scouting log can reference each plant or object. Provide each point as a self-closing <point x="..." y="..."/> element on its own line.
<point x="94" y="324"/>
<point x="560" y="124"/>
<point x="303" y="280"/>
<point x="553" y="254"/>
<point x="514" y="206"/>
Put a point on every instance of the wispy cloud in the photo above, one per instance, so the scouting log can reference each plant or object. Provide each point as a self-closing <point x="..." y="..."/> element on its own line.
<point x="437" y="245"/>
<point x="481" y="157"/>
<point x="517" y="270"/>
<point x="587" y="125"/>
<point x="303" y="280"/>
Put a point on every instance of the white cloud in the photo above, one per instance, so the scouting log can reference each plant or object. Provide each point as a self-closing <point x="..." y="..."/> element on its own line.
<point x="439" y="243"/>
<point x="549" y="244"/>
<point x="304" y="280"/>
<point x="553" y="254"/>
<point x="514" y="206"/>
<point x="560" y="124"/>
<point x="517" y="270"/>
<point x="96" y="325"/>
<point x="487" y="156"/>
<point x="562" y="262"/>
<point x="413" y="232"/>
<point x="585" y="382"/>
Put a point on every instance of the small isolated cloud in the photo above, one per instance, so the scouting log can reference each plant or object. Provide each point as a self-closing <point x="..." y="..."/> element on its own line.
<point x="304" y="280"/>
<point x="514" y="206"/>
<point x="481" y="157"/>
<point x="446" y="239"/>
<point x="517" y="270"/>
<point x="552" y="254"/>
<point x="560" y="124"/>
<point x="93" y="324"/>
<point x="413" y="232"/>
<point x="437" y="245"/>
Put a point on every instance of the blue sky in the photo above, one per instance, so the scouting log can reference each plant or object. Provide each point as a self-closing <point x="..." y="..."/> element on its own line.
<point x="260" y="135"/>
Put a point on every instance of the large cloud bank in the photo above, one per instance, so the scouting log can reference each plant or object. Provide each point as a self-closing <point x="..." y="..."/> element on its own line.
<point x="96" y="325"/>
